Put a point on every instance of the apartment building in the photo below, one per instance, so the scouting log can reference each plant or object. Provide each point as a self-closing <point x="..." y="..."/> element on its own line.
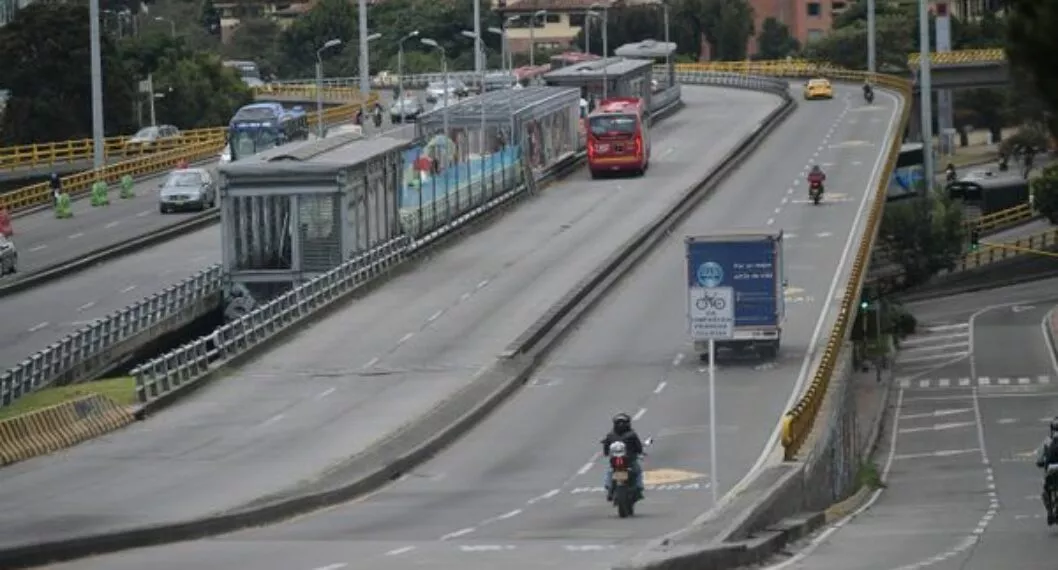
<point x="807" y="19"/>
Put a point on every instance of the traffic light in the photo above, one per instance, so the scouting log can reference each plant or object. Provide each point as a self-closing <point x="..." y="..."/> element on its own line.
<point x="865" y="300"/>
<point x="975" y="239"/>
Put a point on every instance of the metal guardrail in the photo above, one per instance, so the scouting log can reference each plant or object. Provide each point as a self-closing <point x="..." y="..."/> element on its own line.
<point x="64" y="152"/>
<point x="40" y="193"/>
<point x="961" y="57"/>
<point x="44" y="367"/>
<point x="999" y="251"/>
<point x="1002" y="219"/>
<point x="186" y="364"/>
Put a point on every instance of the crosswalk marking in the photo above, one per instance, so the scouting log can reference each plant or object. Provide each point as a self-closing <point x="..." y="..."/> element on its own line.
<point x="906" y="382"/>
<point x="933" y="345"/>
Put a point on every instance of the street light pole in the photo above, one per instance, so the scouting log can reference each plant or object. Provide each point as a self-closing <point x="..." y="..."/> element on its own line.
<point x="925" y="88"/>
<point x="98" y="149"/>
<point x="605" y="47"/>
<point x="400" y="71"/>
<point x="481" y="100"/>
<point x="587" y="31"/>
<point x="444" y="73"/>
<point x="319" y="83"/>
<point x="532" y="35"/>
<point x="871" y="39"/>
<point x="479" y="46"/>
<point x="365" y="68"/>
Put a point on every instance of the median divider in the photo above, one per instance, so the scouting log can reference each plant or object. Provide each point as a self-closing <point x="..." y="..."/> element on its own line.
<point x="60" y="426"/>
<point x="424" y="436"/>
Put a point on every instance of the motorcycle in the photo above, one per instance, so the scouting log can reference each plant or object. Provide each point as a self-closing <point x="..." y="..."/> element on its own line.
<point x="1052" y="490"/>
<point x="625" y="494"/>
<point x="815" y="192"/>
<point x="869" y="96"/>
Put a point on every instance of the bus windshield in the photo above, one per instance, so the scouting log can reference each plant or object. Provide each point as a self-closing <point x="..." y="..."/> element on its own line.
<point x="246" y="141"/>
<point x="613" y="124"/>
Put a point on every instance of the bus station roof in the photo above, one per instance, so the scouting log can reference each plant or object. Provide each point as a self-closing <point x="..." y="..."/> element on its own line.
<point x="313" y="159"/>
<point x="613" y="67"/>
<point x="499" y="106"/>
<point x="646" y="49"/>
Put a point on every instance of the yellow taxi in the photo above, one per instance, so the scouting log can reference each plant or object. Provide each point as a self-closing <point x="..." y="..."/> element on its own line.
<point x="818" y="89"/>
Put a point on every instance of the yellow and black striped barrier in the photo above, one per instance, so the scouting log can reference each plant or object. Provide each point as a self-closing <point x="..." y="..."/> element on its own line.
<point x="60" y="426"/>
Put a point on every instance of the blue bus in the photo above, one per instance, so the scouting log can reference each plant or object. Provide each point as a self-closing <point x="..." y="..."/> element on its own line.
<point x="261" y="126"/>
<point x="909" y="175"/>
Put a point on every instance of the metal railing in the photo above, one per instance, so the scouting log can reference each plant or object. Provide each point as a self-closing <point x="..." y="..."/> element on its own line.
<point x="73" y="350"/>
<point x="999" y="251"/>
<point x="39" y="194"/>
<point x="961" y="57"/>
<point x="35" y="156"/>
<point x="1002" y="219"/>
<point x="423" y="225"/>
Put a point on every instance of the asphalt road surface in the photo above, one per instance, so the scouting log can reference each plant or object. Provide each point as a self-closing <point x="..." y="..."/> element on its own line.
<point x="963" y="491"/>
<point x="333" y="389"/>
<point x="523" y="490"/>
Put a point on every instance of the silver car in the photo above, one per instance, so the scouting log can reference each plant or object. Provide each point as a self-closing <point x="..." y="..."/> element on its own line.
<point x="407" y="109"/>
<point x="435" y="91"/>
<point x="148" y="138"/>
<point x="187" y="189"/>
<point x="8" y="256"/>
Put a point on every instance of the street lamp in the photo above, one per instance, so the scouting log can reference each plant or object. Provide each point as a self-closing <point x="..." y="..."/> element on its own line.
<point x="96" y="52"/>
<point x="532" y="35"/>
<point x="605" y="44"/>
<point x="400" y="70"/>
<point x="502" y="33"/>
<point x="172" y="24"/>
<point x="925" y="86"/>
<point x="481" y="79"/>
<point x="444" y="74"/>
<point x="508" y="66"/>
<point x="319" y="83"/>
<point x="506" y="35"/>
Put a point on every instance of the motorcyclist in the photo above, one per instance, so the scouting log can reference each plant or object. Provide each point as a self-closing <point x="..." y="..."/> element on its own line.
<point x="816" y="176"/>
<point x="1047" y="458"/>
<point x="950" y="172"/>
<point x="622" y="431"/>
<point x="55" y="184"/>
<point x="868" y="90"/>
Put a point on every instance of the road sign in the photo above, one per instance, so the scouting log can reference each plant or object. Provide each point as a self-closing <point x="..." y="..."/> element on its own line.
<point x="712" y="312"/>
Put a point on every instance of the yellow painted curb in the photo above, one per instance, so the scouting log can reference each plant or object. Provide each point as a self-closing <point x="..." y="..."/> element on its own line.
<point x="59" y="426"/>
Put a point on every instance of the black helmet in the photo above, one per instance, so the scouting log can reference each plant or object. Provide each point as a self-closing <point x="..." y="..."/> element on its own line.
<point x="622" y="422"/>
<point x="1054" y="426"/>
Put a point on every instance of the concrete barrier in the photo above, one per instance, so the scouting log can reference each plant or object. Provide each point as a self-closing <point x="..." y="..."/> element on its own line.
<point x="58" y="427"/>
<point x="423" y="437"/>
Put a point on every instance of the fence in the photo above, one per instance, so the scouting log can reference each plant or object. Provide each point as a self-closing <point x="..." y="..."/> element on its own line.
<point x="192" y="361"/>
<point x="63" y="152"/>
<point x="40" y="194"/>
<point x="44" y="367"/>
<point x="1028" y="245"/>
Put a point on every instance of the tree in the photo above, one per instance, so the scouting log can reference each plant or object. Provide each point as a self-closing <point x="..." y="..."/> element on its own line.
<point x="1032" y="45"/>
<point x="924" y="235"/>
<point x="256" y="39"/>
<point x="46" y="66"/>
<point x="847" y="46"/>
<point x="728" y="25"/>
<point x="198" y="91"/>
<point x="775" y="41"/>
<point x="1045" y="193"/>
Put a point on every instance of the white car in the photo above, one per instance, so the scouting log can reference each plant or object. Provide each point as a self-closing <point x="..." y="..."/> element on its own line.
<point x="225" y="155"/>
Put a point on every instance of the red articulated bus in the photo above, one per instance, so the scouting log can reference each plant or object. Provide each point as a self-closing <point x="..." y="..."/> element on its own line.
<point x="618" y="137"/>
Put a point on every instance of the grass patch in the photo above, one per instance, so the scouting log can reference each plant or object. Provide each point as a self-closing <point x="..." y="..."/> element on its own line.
<point x="869" y="476"/>
<point x="121" y="390"/>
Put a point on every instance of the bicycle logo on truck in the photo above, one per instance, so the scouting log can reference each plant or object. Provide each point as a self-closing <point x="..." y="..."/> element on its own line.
<point x="707" y="301"/>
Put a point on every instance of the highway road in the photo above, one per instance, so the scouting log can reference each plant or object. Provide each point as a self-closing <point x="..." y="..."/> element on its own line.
<point x="962" y="488"/>
<point x="322" y="398"/>
<point x="523" y="490"/>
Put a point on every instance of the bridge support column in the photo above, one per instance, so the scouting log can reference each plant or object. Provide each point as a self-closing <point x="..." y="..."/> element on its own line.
<point x="914" y="123"/>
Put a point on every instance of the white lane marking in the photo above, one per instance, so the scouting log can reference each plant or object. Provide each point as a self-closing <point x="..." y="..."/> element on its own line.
<point x="110" y="225"/>
<point x="435" y="316"/>
<point x="38" y="326"/>
<point x="483" y="283"/>
<point x="272" y="420"/>
<point x="813" y="344"/>
<point x="585" y="468"/>
<point x="777" y="210"/>
<point x="325" y="393"/>
<point x="399" y="551"/>
<point x="129" y="288"/>
<point x="543" y="497"/>
<point x="661" y="386"/>
<point x="936" y="413"/>
<point x="789" y="190"/>
<point x="509" y="514"/>
<point x="938" y="427"/>
<point x="75" y="236"/>
<point x="458" y="533"/>
<point x="38" y="247"/>
<point x="771" y="221"/>
<point x="464" y="296"/>
<point x="371" y="362"/>
<point x="639" y="414"/>
<point x="143" y="213"/>
<point x="335" y="566"/>
<point x="785" y="200"/>
<point x="405" y="338"/>
<point x="941" y="453"/>
<point x="86" y="306"/>
<point x="677" y="360"/>
<point x="486" y="547"/>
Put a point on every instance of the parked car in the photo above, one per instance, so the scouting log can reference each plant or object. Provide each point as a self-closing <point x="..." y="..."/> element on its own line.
<point x="435" y="91"/>
<point x="149" y="137"/>
<point x="409" y="108"/>
<point x="187" y="189"/>
<point x="8" y="256"/>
